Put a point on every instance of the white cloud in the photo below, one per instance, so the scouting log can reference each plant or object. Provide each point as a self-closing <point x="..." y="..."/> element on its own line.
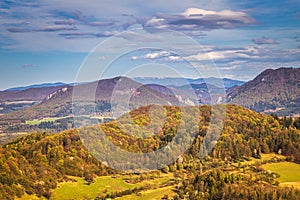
<point x="207" y="56"/>
<point x="229" y="58"/>
<point x="158" y="54"/>
<point x="217" y="54"/>
<point x="153" y="55"/>
<point x="199" y="19"/>
<point x="197" y="12"/>
<point x="81" y="20"/>
<point x="174" y="58"/>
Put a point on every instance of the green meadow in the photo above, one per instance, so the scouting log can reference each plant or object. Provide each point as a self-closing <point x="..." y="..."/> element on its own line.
<point x="105" y="185"/>
<point x="39" y="121"/>
<point x="288" y="171"/>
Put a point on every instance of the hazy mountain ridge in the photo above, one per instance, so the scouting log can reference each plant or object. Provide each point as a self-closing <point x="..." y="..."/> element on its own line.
<point x="15" y="100"/>
<point x="42" y="85"/>
<point x="177" y="82"/>
<point x="58" y="103"/>
<point x="30" y="94"/>
<point x="271" y="91"/>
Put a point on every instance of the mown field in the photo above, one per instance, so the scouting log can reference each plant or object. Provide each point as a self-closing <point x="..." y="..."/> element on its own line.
<point x="39" y="121"/>
<point x="151" y="194"/>
<point x="79" y="189"/>
<point x="289" y="173"/>
<point x="107" y="184"/>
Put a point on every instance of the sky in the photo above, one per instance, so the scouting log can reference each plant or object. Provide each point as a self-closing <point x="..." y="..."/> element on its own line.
<point x="59" y="40"/>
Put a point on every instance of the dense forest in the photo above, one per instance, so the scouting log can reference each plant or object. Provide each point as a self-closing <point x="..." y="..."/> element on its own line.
<point x="36" y="163"/>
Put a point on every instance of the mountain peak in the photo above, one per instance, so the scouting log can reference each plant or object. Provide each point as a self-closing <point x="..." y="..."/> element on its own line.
<point x="271" y="91"/>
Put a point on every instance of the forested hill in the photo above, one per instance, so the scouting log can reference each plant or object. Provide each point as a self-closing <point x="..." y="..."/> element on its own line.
<point x="36" y="163"/>
<point x="271" y="91"/>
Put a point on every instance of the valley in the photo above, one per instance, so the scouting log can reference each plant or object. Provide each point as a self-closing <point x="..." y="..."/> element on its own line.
<point x="46" y="146"/>
<point x="251" y="153"/>
<point x="54" y="101"/>
<point x="149" y="100"/>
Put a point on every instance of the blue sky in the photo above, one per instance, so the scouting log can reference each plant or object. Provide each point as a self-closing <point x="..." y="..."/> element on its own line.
<point x="48" y="41"/>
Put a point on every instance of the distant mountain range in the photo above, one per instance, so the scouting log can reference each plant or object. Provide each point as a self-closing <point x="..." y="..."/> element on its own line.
<point x="29" y="94"/>
<point x="147" y="80"/>
<point x="59" y="102"/>
<point x="272" y="91"/>
<point x="38" y="92"/>
<point x="43" y="85"/>
<point x="169" y="81"/>
<point x="191" y="91"/>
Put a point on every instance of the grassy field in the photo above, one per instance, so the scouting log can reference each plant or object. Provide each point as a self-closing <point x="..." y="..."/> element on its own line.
<point x="264" y="157"/>
<point x="289" y="172"/>
<point x="150" y="194"/>
<point x="37" y="121"/>
<point x="80" y="190"/>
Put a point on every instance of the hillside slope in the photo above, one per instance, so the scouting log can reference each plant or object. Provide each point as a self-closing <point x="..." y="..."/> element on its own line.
<point x="30" y="94"/>
<point x="59" y="102"/>
<point x="36" y="163"/>
<point x="271" y="91"/>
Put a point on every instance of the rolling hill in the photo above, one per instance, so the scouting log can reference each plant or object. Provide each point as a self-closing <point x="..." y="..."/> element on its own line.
<point x="20" y="98"/>
<point x="30" y="94"/>
<point x="36" y="163"/>
<point x="271" y="91"/>
<point x="59" y="102"/>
